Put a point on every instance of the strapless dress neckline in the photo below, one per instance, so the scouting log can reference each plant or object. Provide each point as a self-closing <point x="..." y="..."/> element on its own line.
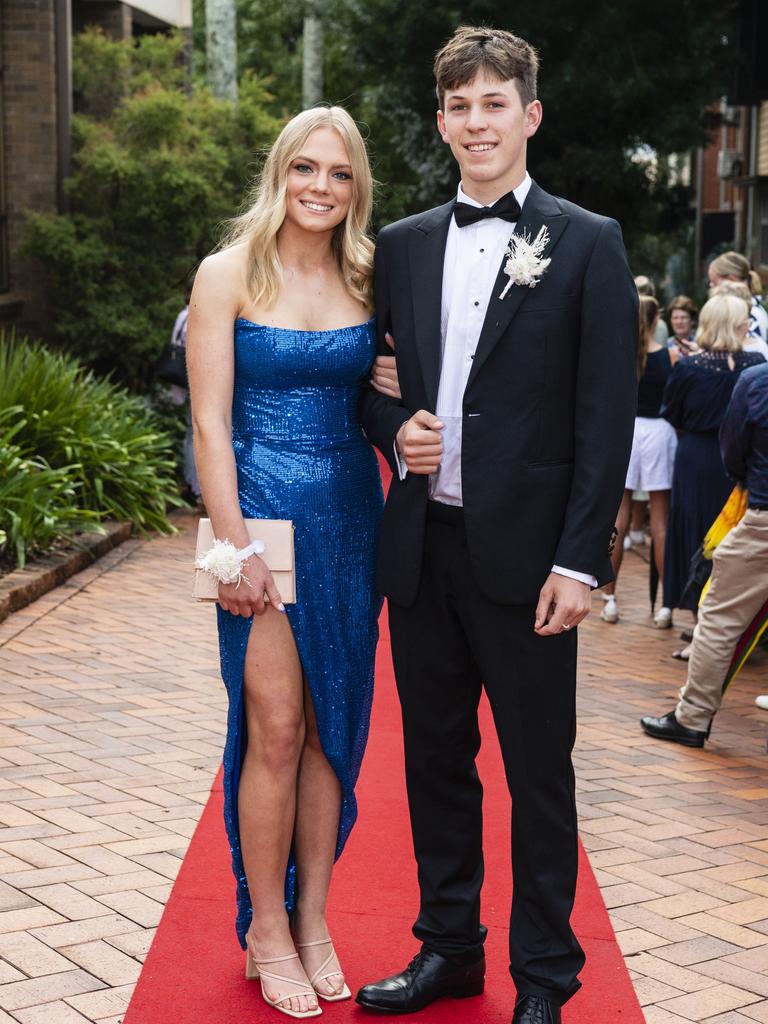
<point x="303" y="330"/>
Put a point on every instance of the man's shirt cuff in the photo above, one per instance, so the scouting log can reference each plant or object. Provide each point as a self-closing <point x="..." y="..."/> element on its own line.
<point x="582" y="577"/>
<point x="402" y="468"/>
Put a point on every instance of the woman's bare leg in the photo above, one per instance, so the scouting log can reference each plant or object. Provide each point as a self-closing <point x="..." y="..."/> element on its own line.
<point x="317" y="830"/>
<point x="638" y="516"/>
<point x="274" y="713"/>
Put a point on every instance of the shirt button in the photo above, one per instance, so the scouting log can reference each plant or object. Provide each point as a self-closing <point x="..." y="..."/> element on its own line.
<point x="482" y="250"/>
<point x="477" y="303"/>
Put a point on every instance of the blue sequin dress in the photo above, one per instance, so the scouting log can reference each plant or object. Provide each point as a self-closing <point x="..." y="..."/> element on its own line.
<point x="301" y="455"/>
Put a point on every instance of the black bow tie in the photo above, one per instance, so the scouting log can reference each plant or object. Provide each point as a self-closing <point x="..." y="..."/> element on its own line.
<point x="506" y="208"/>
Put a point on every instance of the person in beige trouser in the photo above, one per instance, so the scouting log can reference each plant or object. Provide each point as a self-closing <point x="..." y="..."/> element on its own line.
<point x="739" y="583"/>
<point x="737" y="591"/>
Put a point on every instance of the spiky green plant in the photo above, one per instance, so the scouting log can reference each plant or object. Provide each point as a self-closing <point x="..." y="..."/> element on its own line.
<point x="117" y="458"/>
<point x="38" y="504"/>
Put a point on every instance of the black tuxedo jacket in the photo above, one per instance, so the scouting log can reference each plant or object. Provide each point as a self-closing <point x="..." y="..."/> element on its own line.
<point x="548" y="409"/>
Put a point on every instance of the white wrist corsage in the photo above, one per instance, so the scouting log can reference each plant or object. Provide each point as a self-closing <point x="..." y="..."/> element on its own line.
<point x="524" y="259"/>
<point x="225" y="563"/>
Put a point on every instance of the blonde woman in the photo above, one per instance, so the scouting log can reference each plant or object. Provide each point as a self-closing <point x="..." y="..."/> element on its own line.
<point x="732" y="266"/>
<point x="280" y="338"/>
<point x="753" y="342"/>
<point x="695" y="399"/>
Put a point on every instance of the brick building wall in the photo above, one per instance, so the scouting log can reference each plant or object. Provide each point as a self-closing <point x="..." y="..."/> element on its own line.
<point x="718" y="194"/>
<point x="29" y="140"/>
<point x="116" y="19"/>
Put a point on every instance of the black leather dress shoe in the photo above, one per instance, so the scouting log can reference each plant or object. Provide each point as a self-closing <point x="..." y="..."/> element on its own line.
<point x="427" y="977"/>
<point x="535" y="1010"/>
<point x="668" y="728"/>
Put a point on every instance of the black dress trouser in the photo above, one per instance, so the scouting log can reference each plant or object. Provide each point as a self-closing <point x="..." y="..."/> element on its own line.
<point x="449" y="644"/>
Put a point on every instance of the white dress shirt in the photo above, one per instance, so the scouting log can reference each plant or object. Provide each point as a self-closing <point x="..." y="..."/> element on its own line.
<point x="473" y="255"/>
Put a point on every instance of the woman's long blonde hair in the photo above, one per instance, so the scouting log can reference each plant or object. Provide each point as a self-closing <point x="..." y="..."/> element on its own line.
<point x="649" y="314"/>
<point x="720" y="319"/>
<point x="258" y="226"/>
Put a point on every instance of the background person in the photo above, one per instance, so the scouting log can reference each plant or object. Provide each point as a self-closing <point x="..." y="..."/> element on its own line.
<point x="732" y="266"/>
<point x="682" y="314"/>
<point x="739" y="585"/>
<point x="695" y="399"/>
<point x="171" y="369"/>
<point x="653" y="452"/>
<point x="646" y="286"/>
<point x="635" y="535"/>
<point x="753" y="342"/>
<point x="181" y="396"/>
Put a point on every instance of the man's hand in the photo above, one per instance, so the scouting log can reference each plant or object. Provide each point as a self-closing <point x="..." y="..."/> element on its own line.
<point x="563" y="603"/>
<point x="384" y="372"/>
<point x="420" y="444"/>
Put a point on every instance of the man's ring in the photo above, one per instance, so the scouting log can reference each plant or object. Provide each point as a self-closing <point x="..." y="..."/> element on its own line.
<point x="566" y="625"/>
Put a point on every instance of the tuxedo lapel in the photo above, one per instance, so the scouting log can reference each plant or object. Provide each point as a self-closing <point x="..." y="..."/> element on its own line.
<point x="539" y="210"/>
<point x="426" y="254"/>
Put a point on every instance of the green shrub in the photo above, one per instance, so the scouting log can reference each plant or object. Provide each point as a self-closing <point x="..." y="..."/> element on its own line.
<point x="106" y="444"/>
<point x="157" y="166"/>
<point x="38" y="504"/>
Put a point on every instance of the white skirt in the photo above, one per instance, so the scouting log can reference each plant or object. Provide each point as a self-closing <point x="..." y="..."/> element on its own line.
<point x="653" y="455"/>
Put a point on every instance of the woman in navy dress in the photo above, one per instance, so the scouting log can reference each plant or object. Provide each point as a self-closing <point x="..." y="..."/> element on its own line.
<point x="695" y="399"/>
<point x="280" y="339"/>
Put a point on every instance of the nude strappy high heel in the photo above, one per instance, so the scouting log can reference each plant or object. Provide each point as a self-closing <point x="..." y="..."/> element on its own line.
<point x="319" y="976"/>
<point x="254" y="969"/>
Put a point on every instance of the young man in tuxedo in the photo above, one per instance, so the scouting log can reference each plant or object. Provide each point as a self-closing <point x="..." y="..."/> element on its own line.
<point x="509" y="447"/>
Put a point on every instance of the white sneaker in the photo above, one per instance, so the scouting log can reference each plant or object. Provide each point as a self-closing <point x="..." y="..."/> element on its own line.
<point x="627" y="542"/>
<point x="762" y="702"/>
<point x="637" y="537"/>
<point x="610" y="612"/>
<point x="663" y="618"/>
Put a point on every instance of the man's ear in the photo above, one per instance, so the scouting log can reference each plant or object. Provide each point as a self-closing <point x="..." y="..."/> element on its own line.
<point x="533" y="116"/>
<point x="441" y="126"/>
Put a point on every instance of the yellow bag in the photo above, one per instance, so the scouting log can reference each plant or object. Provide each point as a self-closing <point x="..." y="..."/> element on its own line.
<point x="731" y="515"/>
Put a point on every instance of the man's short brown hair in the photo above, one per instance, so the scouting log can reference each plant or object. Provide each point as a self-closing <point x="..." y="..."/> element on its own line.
<point x="498" y="53"/>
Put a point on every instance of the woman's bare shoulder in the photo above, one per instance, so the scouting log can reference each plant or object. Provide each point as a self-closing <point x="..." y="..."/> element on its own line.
<point x="221" y="277"/>
<point x="223" y="264"/>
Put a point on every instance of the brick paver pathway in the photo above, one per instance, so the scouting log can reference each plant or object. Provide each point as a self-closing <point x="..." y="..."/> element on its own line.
<point x="111" y="725"/>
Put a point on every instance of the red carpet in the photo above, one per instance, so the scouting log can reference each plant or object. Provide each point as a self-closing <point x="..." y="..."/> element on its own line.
<point x="194" y="971"/>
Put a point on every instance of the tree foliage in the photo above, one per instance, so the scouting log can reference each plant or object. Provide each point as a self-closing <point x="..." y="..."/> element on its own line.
<point x="157" y="167"/>
<point x="614" y="78"/>
<point x="159" y="163"/>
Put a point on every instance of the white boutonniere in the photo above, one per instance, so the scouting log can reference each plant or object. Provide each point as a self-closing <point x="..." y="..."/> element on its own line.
<point x="524" y="259"/>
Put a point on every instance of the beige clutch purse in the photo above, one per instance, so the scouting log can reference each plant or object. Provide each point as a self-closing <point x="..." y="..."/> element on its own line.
<point x="277" y="536"/>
